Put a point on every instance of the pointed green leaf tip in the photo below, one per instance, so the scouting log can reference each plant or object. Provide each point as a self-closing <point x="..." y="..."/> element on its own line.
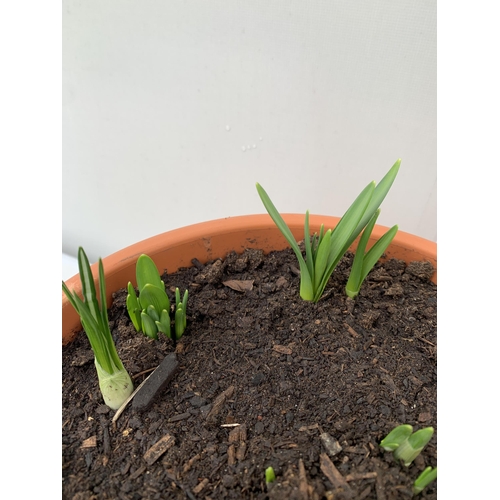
<point x="147" y="272"/>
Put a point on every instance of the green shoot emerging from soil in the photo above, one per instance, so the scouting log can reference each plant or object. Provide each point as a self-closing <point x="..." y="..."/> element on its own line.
<point x="405" y="444"/>
<point x="363" y="263"/>
<point x="325" y="250"/>
<point x="114" y="381"/>
<point x="428" y="475"/>
<point x="150" y="311"/>
<point x="270" y="476"/>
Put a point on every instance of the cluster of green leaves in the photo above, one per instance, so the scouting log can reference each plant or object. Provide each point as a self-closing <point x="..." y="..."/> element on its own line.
<point x="324" y="251"/>
<point x="406" y="445"/>
<point x="114" y="381"/>
<point x="150" y="310"/>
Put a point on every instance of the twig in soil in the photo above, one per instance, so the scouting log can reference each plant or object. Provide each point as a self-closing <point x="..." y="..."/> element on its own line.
<point x="127" y="401"/>
<point x="362" y="475"/>
<point x="219" y="401"/>
<point x="303" y="485"/>
<point x="158" y="449"/>
<point x="137" y="375"/>
<point x="352" y="331"/>
<point x="427" y="341"/>
<point x="333" y="475"/>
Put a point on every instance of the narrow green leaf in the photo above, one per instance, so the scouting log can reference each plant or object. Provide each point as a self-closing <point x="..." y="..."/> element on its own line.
<point x="322" y="258"/>
<point x="149" y="326"/>
<point x="133" y="308"/>
<point x="94" y="334"/>
<point x="428" y="475"/>
<point x="164" y="324"/>
<point x="306" y="285"/>
<point x="69" y="296"/>
<point x="111" y="348"/>
<point x="88" y="286"/>
<point x="356" y="275"/>
<point x="147" y="272"/>
<point x="184" y="307"/>
<point x="319" y="240"/>
<point x="153" y="313"/>
<point x="342" y="233"/>
<point x="278" y="220"/>
<point x="308" y="248"/>
<point x="378" y="197"/>
<point x="179" y="322"/>
<point x="377" y="250"/>
<point x="177" y="296"/>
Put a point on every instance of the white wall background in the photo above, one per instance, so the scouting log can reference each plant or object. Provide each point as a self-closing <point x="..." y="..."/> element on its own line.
<point x="325" y="96"/>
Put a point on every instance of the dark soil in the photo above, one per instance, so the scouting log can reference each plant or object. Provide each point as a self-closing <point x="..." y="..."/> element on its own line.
<point x="303" y="380"/>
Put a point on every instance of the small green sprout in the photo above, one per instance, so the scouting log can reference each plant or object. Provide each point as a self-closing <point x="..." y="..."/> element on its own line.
<point x="396" y="437"/>
<point x="363" y="263"/>
<point x="325" y="250"/>
<point x="411" y="447"/>
<point x="114" y="381"/>
<point x="150" y="311"/>
<point x="270" y="476"/>
<point x="406" y="444"/>
<point x="428" y="475"/>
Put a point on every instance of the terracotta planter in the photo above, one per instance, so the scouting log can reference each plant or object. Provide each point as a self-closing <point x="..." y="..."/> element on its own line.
<point x="210" y="240"/>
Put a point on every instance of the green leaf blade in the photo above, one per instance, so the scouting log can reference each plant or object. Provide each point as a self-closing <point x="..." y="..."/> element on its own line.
<point x="152" y="295"/>
<point x="378" y="197"/>
<point x="147" y="273"/>
<point x="396" y="437"/>
<point x="377" y="250"/>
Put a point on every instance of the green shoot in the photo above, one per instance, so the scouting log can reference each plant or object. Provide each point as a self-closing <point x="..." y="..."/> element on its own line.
<point x="270" y="476"/>
<point x="325" y="250"/>
<point x="396" y="437"/>
<point x="406" y="444"/>
<point x="428" y="475"/>
<point x="411" y="447"/>
<point x="363" y="263"/>
<point x="114" y="381"/>
<point x="150" y="311"/>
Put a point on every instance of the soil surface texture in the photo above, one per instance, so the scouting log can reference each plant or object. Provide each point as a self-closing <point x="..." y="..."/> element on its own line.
<point x="264" y="379"/>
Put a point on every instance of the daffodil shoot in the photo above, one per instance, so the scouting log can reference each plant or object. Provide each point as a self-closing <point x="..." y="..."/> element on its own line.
<point x="114" y="381"/>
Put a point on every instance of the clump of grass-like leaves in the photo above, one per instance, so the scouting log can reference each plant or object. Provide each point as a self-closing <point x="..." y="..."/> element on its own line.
<point x="150" y="311"/>
<point x="324" y="251"/>
<point x="114" y="381"/>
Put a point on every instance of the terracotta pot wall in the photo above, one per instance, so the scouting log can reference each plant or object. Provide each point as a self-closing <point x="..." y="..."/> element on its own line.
<point x="214" y="239"/>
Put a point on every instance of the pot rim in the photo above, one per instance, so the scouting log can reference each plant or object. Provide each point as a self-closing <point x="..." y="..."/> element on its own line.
<point x="213" y="239"/>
